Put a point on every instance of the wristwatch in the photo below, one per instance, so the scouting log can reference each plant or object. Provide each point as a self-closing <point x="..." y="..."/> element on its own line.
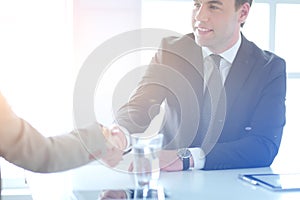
<point x="184" y="154"/>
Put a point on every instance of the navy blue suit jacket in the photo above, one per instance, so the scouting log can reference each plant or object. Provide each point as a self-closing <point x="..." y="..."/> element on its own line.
<point x="246" y="134"/>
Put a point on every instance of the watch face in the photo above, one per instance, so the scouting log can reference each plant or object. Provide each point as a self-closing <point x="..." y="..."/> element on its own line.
<point x="184" y="153"/>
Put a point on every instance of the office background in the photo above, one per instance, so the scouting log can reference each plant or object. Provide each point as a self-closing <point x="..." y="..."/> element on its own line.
<point x="44" y="43"/>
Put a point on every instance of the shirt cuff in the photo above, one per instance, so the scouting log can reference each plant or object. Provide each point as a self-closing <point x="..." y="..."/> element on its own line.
<point x="198" y="157"/>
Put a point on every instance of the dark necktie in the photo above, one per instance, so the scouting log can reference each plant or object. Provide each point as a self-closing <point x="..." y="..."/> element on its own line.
<point x="216" y="60"/>
<point x="214" y="78"/>
<point x="210" y="99"/>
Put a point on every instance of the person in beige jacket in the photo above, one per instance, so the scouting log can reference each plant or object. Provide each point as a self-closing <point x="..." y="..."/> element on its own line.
<point x="22" y="145"/>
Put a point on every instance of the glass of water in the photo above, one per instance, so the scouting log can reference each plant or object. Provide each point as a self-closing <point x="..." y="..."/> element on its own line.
<point x="146" y="161"/>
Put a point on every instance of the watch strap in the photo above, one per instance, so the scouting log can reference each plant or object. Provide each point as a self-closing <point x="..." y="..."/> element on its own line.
<point x="185" y="163"/>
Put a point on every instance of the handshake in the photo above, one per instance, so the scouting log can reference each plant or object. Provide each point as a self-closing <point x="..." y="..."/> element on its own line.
<point x="116" y="141"/>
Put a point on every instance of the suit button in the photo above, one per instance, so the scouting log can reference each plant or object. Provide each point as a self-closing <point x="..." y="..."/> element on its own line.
<point x="248" y="128"/>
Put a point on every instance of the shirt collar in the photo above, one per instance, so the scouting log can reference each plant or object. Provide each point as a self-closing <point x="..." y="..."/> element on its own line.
<point x="229" y="54"/>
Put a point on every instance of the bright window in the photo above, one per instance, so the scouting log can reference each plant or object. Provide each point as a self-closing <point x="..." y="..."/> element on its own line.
<point x="36" y="74"/>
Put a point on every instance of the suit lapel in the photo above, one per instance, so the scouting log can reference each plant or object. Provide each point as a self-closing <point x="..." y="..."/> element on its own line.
<point x="239" y="72"/>
<point x="193" y="54"/>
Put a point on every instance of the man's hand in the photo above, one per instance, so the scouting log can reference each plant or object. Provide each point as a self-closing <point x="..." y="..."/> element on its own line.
<point x="169" y="161"/>
<point x="116" y="137"/>
<point x="115" y="144"/>
<point x="112" y="156"/>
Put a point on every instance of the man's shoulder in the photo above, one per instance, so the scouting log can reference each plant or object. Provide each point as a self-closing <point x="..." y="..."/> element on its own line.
<point x="181" y="40"/>
<point x="183" y="46"/>
<point x="179" y="51"/>
<point x="250" y="51"/>
<point x="260" y="54"/>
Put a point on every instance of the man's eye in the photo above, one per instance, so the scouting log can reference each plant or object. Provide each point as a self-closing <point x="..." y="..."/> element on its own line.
<point x="213" y="7"/>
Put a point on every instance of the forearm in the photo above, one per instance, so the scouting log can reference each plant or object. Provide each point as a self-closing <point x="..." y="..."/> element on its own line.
<point x="22" y="145"/>
<point x="136" y="115"/>
<point x="252" y="151"/>
<point x="35" y="152"/>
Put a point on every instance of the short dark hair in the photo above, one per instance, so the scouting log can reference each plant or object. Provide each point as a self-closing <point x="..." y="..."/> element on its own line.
<point x="239" y="3"/>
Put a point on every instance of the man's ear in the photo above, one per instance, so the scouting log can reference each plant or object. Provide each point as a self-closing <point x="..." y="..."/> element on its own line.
<point x="244" y="12"/>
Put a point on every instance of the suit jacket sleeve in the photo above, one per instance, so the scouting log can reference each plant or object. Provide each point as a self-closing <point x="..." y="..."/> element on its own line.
<point x="25" y="147"/>
<point x="173" y="78"/>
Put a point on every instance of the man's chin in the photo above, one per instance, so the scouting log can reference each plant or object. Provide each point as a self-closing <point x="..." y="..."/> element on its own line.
<point x="198" y="42"/>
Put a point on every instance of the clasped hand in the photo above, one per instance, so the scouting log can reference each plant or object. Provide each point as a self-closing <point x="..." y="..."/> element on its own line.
<point x="115" y="143"/>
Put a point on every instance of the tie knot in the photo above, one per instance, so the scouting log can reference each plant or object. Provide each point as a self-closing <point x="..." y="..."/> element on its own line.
<point x="216" y="59"/>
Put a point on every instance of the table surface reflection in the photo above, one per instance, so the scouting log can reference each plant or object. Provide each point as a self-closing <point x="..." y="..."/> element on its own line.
<point x="194" y="184"/>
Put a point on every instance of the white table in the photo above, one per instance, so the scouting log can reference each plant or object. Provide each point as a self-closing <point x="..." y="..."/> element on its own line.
<point x="199" y="185"/>
<point x="219" y="185"/>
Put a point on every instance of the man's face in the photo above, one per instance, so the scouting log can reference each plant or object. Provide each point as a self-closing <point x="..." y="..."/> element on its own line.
<point x="216" y="23"/>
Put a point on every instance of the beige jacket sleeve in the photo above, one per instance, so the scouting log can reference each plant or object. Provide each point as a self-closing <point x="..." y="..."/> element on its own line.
<point x="25" y="147"/>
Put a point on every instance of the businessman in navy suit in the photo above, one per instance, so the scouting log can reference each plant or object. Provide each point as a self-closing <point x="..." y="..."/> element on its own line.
<point x="247" y="97"/>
